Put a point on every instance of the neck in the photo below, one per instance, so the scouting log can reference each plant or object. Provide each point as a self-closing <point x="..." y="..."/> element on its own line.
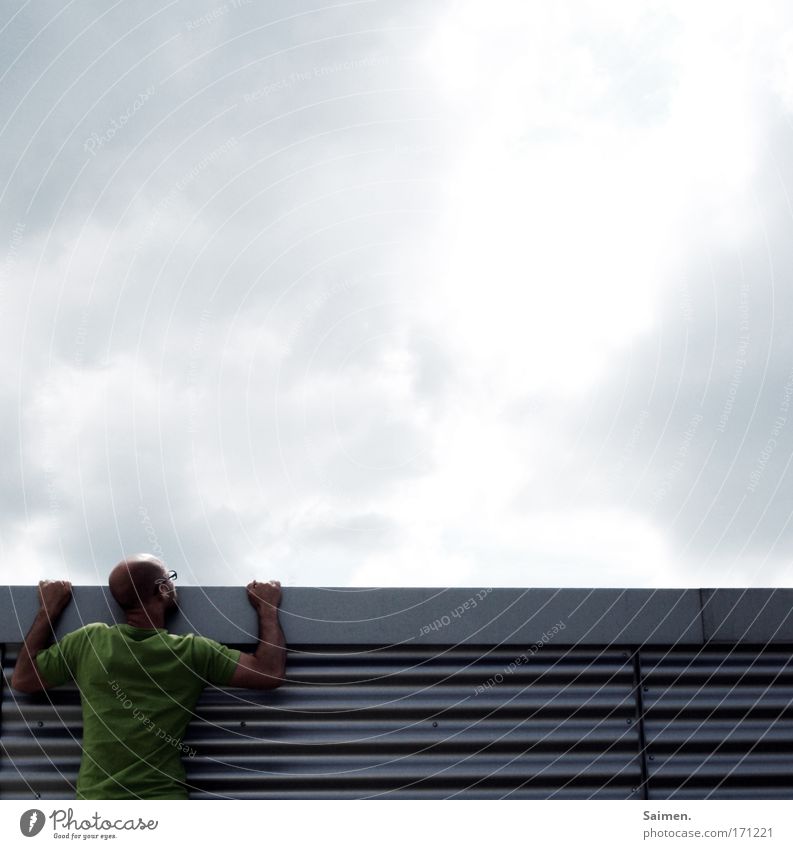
<point x="146" y="618"/>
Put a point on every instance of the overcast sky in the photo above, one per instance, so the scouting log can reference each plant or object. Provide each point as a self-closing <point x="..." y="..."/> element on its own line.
<point x="411" y="294"/>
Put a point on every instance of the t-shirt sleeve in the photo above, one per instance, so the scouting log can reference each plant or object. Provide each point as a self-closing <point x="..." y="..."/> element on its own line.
<point x="213" y="661"/>
<point x="58" y="663"/>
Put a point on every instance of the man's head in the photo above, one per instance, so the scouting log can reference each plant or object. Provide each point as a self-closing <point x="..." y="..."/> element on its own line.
<point x="141" y="582"/>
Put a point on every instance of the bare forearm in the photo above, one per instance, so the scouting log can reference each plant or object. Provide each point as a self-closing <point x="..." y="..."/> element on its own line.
<point x="37" y="638"/>
<point x="271" y="650"/>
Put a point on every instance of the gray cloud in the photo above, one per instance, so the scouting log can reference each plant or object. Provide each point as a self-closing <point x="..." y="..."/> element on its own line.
<point x="233" y="301"/>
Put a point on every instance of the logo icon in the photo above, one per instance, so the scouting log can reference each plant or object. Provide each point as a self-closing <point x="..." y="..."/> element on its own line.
<point x="31" y="822"/>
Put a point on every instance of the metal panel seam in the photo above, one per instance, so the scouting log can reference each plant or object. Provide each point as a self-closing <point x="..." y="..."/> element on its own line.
<point x="702" y="603"/>
<point x="638" y="683"/>
<point x="2" y="696"/>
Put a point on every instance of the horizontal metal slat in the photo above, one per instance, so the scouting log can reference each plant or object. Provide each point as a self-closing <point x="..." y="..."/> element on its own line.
<point x="731" y="701"/>
<point x="478" y="793"/>
<point x="358" y="722"/>
<point x="718" y="720"/>
<point x="744" y="791"/>
<point x="718" y="766"/>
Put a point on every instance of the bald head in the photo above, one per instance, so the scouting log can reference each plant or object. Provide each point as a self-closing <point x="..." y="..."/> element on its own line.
<point x="133" y="581"/>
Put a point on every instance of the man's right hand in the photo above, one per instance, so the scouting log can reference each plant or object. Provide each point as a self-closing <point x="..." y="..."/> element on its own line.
<point x="264" y="596"/>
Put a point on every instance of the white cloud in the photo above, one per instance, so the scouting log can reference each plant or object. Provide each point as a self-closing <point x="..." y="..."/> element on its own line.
<point x="570" y="215"/>
<point x="364" y="344"/>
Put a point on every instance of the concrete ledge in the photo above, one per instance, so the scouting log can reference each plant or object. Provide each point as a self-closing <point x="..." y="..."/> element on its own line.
<point x="748" y="616"/>
<point x="421" y="616"/>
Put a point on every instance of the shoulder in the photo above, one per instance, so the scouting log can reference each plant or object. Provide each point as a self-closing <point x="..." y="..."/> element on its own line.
<point x="193" y="639"/>
<point x="187" y="639"/>
<point x="88" y="630"/>
<point x="199" y="643"/>
<point x="204" y="647"/>
<point x="185" y="644"/>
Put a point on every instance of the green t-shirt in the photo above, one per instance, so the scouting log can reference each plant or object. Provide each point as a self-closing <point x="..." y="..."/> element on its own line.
<point x="138" y="688"/>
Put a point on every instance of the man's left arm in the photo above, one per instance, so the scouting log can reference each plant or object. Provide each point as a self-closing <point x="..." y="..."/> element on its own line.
<point x="53" y="598"/>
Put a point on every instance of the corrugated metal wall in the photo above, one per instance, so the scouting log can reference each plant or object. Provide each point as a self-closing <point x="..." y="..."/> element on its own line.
<point x="718" y="722"/>
<point x="656" y="694"/>
<point x="379" y="723"/>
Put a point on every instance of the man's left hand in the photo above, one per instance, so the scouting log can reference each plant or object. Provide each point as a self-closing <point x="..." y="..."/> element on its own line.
<point x="54" y="596"/>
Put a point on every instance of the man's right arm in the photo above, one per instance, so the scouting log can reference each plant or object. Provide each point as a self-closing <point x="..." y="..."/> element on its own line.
<point x="264" y="669"/>
<point x="53" y="598"/>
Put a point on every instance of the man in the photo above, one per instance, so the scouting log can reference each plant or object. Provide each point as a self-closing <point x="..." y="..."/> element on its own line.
<point x="138" y="683"/>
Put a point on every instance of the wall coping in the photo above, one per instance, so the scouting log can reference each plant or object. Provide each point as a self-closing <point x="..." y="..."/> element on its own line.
<point x="450" y="616"/>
